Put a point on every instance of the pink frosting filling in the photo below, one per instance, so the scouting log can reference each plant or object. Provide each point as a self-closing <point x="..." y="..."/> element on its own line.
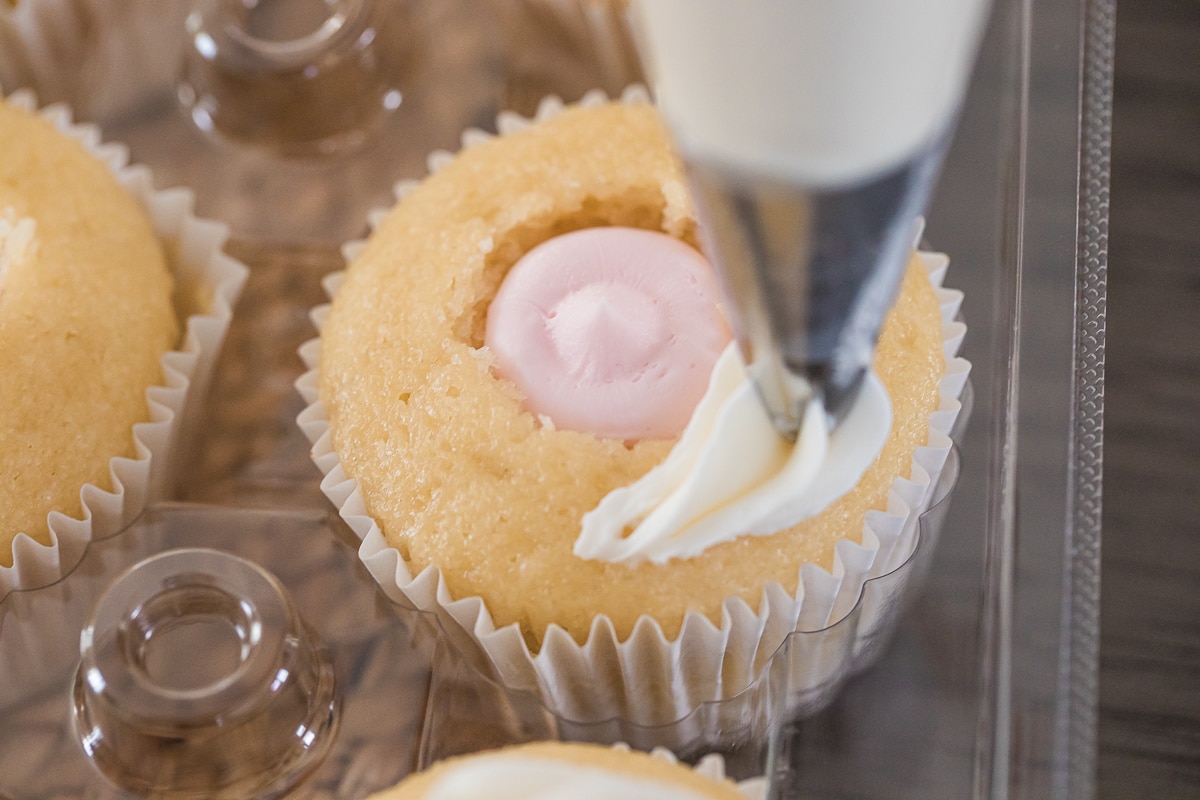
<point x="609" y="331"/>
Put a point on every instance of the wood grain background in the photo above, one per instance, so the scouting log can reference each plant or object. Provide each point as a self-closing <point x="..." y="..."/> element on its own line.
<point x="1150" y="645"/>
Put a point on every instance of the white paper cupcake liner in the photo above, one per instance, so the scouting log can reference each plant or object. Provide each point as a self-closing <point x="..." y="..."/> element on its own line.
<point x="713" y="766"/>
<point x="555" y="45"/>
<point x="649" y="679"/>
<point x="99" y="56"/>
<point x="201" y="271"/>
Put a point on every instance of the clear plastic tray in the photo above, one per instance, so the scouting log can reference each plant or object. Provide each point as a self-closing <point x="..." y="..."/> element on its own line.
<point x="987" y="688"/>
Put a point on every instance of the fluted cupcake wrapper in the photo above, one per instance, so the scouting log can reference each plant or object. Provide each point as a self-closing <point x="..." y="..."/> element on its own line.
<point x="210" y="281"/>
<point x="650" y="679"/>
<point x="55" y="45"/>
<point x="713" y="766"/>
<point x="561" y="46"/>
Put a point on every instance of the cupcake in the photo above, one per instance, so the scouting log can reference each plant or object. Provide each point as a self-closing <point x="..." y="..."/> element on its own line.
<point x="113" y="304"/>
<point x="470" y="498"/>
<point x="570" y="770"/>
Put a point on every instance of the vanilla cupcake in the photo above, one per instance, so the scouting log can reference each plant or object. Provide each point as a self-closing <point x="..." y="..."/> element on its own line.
<point x="470" y="501"/>
<point x="113" y="304"/>
<point x="570" y="770"/>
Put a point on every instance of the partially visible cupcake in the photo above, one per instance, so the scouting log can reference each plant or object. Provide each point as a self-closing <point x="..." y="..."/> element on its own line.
<point x="556" y="769"/>
<point x="470" y="502"/>
<point x="113" y="304"/>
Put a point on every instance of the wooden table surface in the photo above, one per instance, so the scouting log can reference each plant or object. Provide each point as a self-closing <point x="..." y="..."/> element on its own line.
<point x="1150" y="646"/>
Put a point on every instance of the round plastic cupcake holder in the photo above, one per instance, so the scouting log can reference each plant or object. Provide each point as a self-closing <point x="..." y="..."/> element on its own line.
<point x="212" y="650"/>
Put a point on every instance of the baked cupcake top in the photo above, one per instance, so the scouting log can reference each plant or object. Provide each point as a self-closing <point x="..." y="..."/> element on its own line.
<point x="460" y="476"/>
<point x="556" y="769"/>
<point x="85" y="314"/>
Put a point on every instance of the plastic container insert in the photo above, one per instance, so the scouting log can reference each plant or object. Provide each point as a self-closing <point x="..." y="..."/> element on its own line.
<point x="988" y="687"/>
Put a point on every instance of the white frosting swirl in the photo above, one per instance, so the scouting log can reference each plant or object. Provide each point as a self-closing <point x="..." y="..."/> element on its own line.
<point x="510" y="777"/>
<point x="731" y="474"/>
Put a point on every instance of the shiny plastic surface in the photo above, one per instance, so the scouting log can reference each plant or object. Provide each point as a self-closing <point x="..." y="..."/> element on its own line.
<point x="178" y="661"/>
<point x="198" y="679"/>
<point x="985" y="690"/>
<point x="380" y="656"/>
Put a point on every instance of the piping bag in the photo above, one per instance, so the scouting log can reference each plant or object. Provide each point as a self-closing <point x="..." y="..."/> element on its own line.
<point x="812" y="132"/>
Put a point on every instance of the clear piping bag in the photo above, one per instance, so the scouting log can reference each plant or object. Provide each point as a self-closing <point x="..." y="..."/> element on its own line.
<point x="812" y="132"/>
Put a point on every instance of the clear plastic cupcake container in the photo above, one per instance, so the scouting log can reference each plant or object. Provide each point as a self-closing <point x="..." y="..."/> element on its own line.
<point x="987" y="685"/>
<point x="195" y="655"/>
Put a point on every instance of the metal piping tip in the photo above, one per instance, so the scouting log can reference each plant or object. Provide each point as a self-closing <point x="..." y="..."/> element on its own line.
<point x="810" y="274"/>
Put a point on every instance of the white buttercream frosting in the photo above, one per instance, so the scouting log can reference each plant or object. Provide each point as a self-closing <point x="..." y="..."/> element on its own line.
<point x="731" y="474"/>
<point x="521" y="777"/>
<point x="824" y="92"/>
